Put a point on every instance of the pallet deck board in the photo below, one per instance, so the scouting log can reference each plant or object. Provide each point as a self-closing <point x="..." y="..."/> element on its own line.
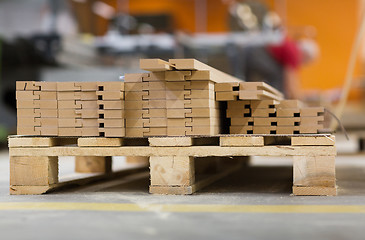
<point x="196" y="151"/>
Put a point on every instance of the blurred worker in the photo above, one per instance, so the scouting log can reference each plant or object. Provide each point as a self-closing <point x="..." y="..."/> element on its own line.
<point x="276" y="62"/>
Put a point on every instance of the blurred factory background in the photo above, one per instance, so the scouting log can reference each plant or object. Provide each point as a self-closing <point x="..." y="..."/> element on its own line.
<point x="99" y="40"/>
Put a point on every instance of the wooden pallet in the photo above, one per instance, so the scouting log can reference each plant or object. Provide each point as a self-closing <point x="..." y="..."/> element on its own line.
<point x="176" y="161"/>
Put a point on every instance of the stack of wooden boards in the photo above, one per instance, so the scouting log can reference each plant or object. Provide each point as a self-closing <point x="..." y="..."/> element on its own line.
<point x="257" y="108"/>
<point x="176" y="98"/>
<point x="70" y="108"/>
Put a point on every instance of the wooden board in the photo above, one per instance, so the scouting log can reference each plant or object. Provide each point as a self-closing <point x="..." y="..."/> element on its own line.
<point x="154" y="65"/>
<point x="193" y="64"/>
<point x="314" y="191"/>
<point x="100" y="142"/>
<point x="236" y="141"/>
<point x="313" y="141"/>
<point x="170" y="141"/>
<point x="31" y="142"/>
<point x="197" y="151"/>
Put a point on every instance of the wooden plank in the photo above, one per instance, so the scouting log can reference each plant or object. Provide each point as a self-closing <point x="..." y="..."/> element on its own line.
<point x="87" y="86"/>
<point x="240" y="129"/>
<point x="31" y="142"/>
<point x="46" y="86"/>
<point x="172" y="171"/>
<point x="313" y="141"/>
<point x="170" y="141"/>
<point x="261" y="112"/>
<point x="100" y="142"/>
<point x="134" y="77"/>
<point x="155" y="132"/>
<point x="241" y="121"/>
<point x="30" y="190"/>
<point x="258" y="95"/>
<point x="238" y="141"/>
<point x="314" y="191"/>
<point x="288" y="112"/>
<point x="226" y="87"/>
<point x="266" y="89"/>
<point x="112" y="86"/>
<point x="226" y="96"/>
<point x="264" y="121"/>
<point x="311" y="111"/>
<point x="263" y="104"/>
<point x="154" y="65"/>
<point x="28" y="121"/>
<point x="196" y="151"/>
<point x="171" y="190"/>
<point x="28" y="130"/>
<point x="26" y="95"/>
<point x="199" y="75"/>
<point x="192" y="64"/>
<point x="176" y="75"/>
<point x="66" y="86"/>
<point x="92" y="104"/>
<point x="26" y="86"/>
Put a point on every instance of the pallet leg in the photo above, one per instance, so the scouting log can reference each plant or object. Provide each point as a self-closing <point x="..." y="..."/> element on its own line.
<point x="137" y="160"/>
<point x="33" y="175"/>
<point x="172" y="175"/>
<point x="92" y="164"/>
<point x="314" y="175"/>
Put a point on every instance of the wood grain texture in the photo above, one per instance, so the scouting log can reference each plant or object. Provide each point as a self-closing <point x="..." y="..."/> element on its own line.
<point x="172" y="171"/>
<point x="33" y="171"/>
<point x="314" y="191"/>
<point x="100" y="142"/>
<point x="192" y="64"/>
<point x="314" y="171"/>
<point x="170" y="141"/>
<point x="313" y="141"/>
<point x="196" y="151"/>
<point x="241" y="141"/>
<point x="31" y="142"/>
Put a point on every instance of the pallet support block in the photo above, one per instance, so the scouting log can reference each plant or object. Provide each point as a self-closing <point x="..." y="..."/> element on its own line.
<point x="32" y="175"/>
<point x="92" y="164"/>
<point x="314" y="175"/>
<point x="172" y="175"/>
<point x="137" y="160"/>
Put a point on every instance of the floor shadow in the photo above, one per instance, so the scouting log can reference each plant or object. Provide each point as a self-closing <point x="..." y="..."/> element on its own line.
<point x="255" y="179"/>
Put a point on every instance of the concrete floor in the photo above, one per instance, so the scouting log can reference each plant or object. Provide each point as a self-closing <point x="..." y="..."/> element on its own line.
<point x="245" y="205"/>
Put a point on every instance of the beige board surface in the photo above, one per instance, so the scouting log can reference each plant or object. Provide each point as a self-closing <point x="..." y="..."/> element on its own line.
<point x="172" y="171"/>
<point x="192" y="64"/>
<point x="314" y="171"/>
<point x="35" y="171"/>
<point x="197" y="151"/>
